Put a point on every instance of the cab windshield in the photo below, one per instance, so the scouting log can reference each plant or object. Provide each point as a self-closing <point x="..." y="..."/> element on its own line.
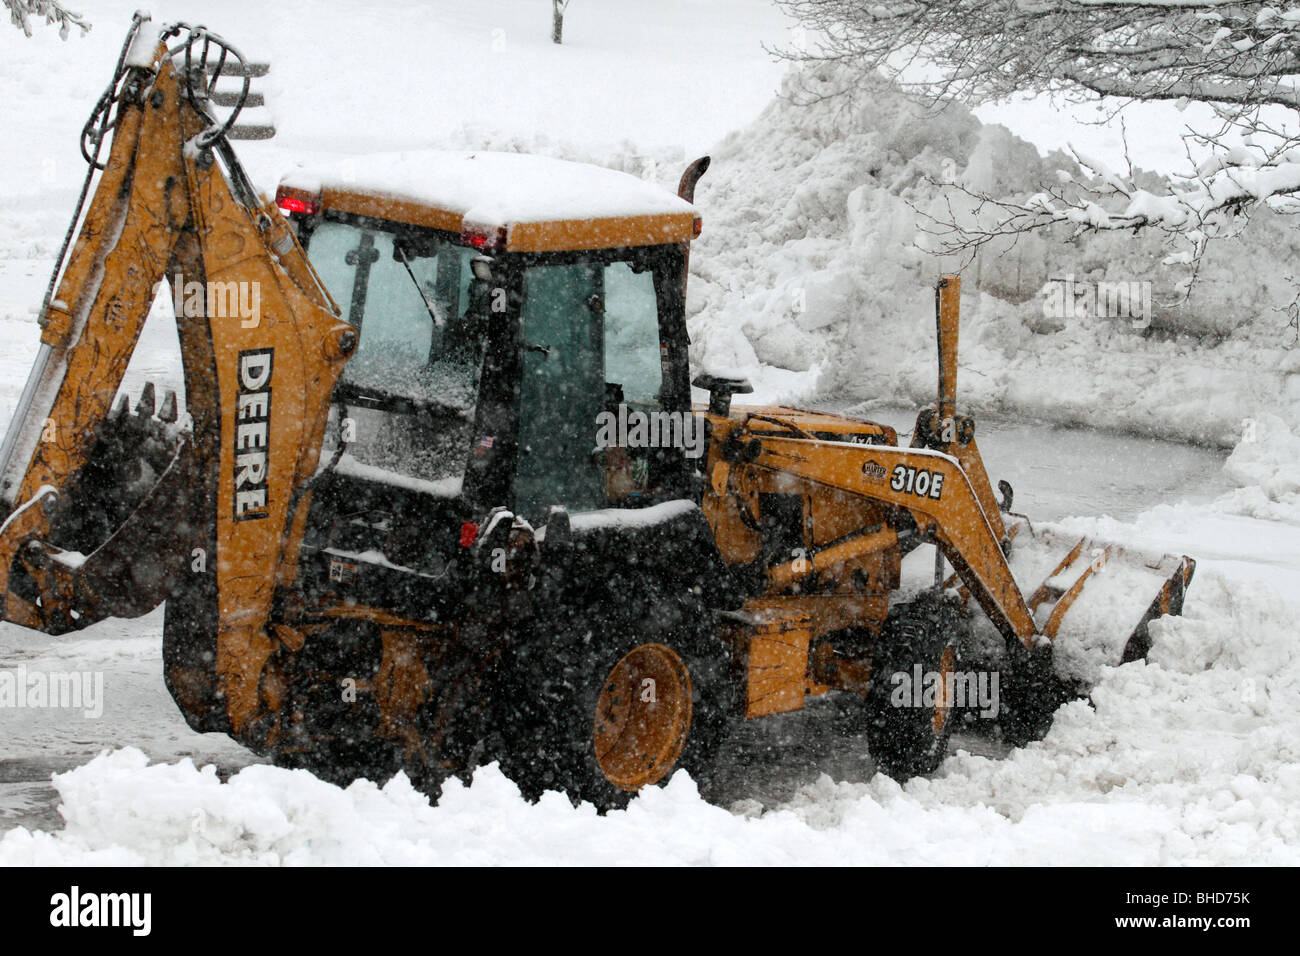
<point x="579" y="420"/>
<point x="410" y="389"/>
<point x="410" y="299"/>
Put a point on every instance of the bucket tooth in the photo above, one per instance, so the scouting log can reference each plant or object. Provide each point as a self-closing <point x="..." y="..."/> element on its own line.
<point x="144" y="408"/>
<point x="168" y="411"/>
<point x="120" y="411"/>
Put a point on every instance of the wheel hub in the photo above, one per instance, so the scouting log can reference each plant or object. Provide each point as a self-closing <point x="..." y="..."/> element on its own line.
<point x="643" y="717"/>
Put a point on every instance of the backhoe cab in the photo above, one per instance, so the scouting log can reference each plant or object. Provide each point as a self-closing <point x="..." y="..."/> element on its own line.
<point x="446" y="498"/>
<point x="496" y="336"/>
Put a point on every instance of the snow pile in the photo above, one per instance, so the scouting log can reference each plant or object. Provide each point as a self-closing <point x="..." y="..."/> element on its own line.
<point x="1265" y="467"/>
<point x="1268" y="456"/>
<point x="1199" y="743"/>
<point x="811" y="276"/>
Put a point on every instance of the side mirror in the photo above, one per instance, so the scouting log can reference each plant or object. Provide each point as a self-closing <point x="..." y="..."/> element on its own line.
<point x="720" y="389"/>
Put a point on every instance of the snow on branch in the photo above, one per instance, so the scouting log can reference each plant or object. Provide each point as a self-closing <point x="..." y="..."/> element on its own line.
<point x="21" y="13"/>
<point x="1238" y="56"/>
<point x="1199" y="208"/>
<point x="1208" y="50"/>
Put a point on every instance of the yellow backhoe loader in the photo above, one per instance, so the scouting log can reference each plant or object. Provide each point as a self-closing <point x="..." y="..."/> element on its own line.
<point x="435" y="491"/>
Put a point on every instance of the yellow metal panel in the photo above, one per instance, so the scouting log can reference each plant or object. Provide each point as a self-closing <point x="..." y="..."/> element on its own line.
<point x="394" y="210"/>
<point x="773" y="652"/>
<point x="574" y="234"/>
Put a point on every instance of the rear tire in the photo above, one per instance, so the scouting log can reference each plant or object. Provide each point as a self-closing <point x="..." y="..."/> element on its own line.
<point x="616" y="701"/>
<point x="908" y="727"/>
<point x="335" y="736"/>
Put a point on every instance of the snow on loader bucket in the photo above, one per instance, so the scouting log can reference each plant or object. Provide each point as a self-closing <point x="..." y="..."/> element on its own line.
<point x="1092" y="609"/>
<point x="1095" y="603"/>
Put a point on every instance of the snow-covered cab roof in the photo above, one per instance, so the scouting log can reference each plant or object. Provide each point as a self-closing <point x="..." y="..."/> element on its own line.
<point x="505" y="202"/>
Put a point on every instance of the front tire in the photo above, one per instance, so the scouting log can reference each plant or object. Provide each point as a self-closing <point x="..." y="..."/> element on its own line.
<point x="908" y="726"/>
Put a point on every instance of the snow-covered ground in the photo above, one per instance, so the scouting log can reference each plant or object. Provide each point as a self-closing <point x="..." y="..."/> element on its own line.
<point x="808" y="280"/>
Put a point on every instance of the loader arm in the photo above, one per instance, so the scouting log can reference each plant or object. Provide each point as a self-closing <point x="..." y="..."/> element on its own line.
<point x="932" y="487"/>
<point x="935" y="491"/>
<point x="223" y="523"/>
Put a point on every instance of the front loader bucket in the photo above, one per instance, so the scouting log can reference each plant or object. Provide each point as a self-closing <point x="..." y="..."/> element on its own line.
<point x="1095" y="601"/>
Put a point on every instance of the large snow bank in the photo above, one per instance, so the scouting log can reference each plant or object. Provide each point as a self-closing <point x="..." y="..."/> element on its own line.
<point x="811" y="276"/>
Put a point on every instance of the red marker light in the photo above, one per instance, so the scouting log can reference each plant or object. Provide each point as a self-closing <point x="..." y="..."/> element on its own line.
<point x="297" y="200"/>
<point x="697" y="227"/>
<point x="468" y="533"/>
<point x="293" y="204"/>
<point x="494" y="241"/>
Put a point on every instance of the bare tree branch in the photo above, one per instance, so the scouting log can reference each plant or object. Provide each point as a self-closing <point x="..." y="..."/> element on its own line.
<point x="21" y="13"/>
<point x="1238" y="56"/>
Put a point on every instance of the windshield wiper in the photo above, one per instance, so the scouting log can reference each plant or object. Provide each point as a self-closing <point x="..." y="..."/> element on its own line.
<point x="429" y="304"/>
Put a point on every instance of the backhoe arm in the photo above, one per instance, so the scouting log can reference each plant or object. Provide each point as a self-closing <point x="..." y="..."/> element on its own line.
<point x="221" y="526"/>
